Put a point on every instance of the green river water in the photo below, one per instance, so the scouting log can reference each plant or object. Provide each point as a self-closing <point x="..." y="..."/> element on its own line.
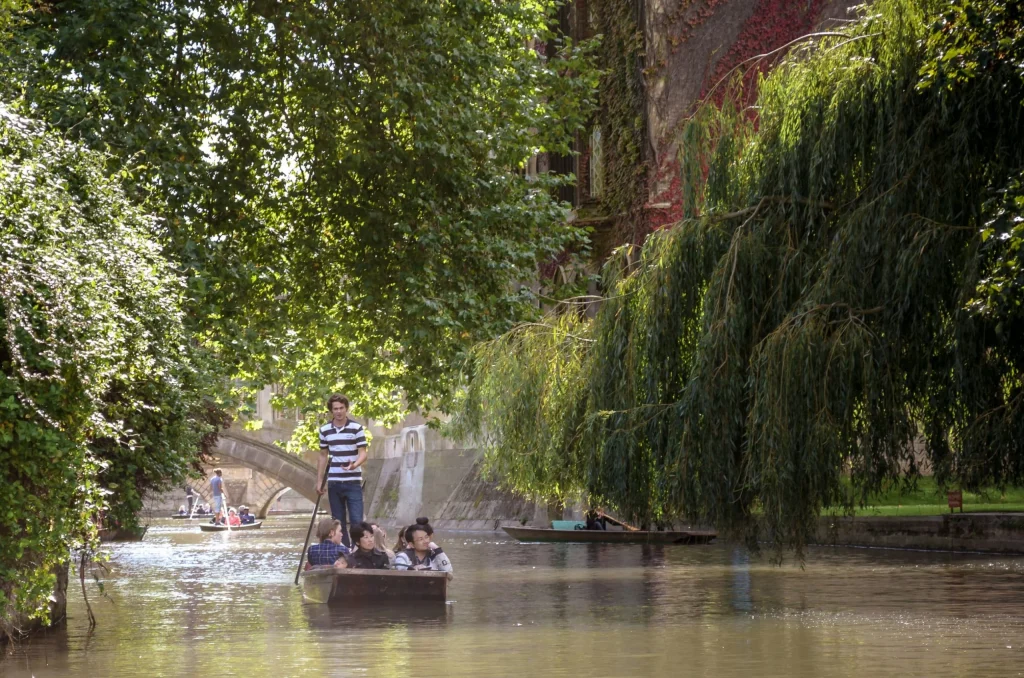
<point x="185" y="603"/>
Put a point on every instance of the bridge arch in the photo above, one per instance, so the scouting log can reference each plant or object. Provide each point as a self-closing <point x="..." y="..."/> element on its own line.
<point x="286" y="470"/>
<point x="266" y="501"/>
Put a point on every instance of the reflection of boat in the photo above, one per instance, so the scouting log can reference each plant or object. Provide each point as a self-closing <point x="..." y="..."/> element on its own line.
<point x="209" y="527"/>
<point x="122" y="533"/>
<point x="611" y="536"/>
<point x="367" y="614"/>
<point x="343" y="587"/>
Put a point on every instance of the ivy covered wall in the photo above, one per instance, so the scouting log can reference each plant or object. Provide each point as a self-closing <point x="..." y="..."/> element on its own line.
<point x="659" y="58"/>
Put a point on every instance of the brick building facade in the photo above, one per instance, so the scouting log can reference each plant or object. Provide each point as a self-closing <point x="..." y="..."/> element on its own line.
<point x="687" y="47"/>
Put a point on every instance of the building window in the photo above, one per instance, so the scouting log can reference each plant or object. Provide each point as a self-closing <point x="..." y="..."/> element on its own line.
<point x="596" y="164"/>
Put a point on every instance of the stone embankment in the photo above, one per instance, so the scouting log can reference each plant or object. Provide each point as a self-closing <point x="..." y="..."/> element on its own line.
<point x="977" y="532"/>
<point x="447" y="486"/>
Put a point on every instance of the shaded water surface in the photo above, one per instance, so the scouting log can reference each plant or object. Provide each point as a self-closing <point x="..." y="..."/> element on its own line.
<point x="184" y="603"/>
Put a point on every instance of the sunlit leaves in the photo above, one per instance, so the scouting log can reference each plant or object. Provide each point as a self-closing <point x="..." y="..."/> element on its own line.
<point x="98" y="384"/>
<point x="341" y="182"/>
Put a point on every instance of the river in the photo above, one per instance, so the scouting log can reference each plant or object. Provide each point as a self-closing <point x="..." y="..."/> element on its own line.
<point x="184" y="603"/>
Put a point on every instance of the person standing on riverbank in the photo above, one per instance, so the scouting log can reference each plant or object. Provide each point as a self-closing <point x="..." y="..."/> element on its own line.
<point x="343" y="446"/>
<point x="220" y="497"/>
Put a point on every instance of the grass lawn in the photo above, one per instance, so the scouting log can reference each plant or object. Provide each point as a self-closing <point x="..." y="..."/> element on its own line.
<point x="928" y="500"/>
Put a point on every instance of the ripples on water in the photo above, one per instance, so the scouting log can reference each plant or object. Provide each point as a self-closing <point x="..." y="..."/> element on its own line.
<point x="183" y="603"/>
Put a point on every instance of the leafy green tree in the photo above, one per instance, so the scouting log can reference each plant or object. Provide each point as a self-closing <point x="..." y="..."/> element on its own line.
<point x="849" y="285"/>
<point x="341" y="182"/>
<point x="96" y="374"/>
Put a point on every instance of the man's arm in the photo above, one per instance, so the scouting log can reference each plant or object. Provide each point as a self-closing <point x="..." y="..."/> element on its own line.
<point x="321" y="465"/>
<point x="360" y="459"/>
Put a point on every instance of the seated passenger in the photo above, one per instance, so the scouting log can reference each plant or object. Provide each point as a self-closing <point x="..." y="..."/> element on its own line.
<point x="217" y="519"/>
<point x="182" y="511"/>
<point x="233" y="519"/>
<point x="206" y="510"/>
<point x="425" y="522"/>
<point x="423" y="554"/>
<point x="405" y="540"/>
<point x="330" y="552"/>
<point x="365" y="555"/>
<point x="246" y="517"/>
<point x="380" y="538"/>
<point x="402" y="544"/>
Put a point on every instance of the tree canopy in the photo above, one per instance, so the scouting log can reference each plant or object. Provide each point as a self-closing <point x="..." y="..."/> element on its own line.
<point x="329" y="196"/>
<point x="99" y="389"/>
<point x="846" y="283"/>
<point x="340" y="182"/>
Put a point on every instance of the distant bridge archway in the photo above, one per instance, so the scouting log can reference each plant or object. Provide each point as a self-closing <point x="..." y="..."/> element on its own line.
<point x="283" y="470"/>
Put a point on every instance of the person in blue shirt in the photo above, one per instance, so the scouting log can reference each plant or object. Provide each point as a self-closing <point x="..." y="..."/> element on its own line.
<point x="330" y="552"/>
<point x="220" y="496"/>
<point x="247" y="518"/>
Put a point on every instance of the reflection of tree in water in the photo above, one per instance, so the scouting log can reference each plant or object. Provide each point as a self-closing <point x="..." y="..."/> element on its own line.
<point x="614" y="587"/>
<point x="739" y="591"/>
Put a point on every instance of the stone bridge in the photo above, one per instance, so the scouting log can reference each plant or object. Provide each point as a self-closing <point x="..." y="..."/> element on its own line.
<point x="412" y="471"/>
<point x="278" y="470"/>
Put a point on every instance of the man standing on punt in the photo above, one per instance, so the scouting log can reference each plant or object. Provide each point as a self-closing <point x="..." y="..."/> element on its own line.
<point x="343" y="441"/>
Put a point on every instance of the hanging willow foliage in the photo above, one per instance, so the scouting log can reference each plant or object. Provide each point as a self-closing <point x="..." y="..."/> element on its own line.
<point x="840" y="294"/>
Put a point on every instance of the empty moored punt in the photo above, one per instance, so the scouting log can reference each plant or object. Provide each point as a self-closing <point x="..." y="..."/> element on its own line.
<point x="122" y="533"/>
<point x="611" y="536"/>
<point x="341" y="587"/>
<point x="235" y="528"/>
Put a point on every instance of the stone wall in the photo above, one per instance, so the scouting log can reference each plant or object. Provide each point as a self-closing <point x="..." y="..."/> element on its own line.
<point x="980" y="532"/>
<point x="447" y="486"/>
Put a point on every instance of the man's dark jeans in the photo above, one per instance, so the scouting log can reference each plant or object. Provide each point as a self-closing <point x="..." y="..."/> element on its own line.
<point x="341" y="494"/>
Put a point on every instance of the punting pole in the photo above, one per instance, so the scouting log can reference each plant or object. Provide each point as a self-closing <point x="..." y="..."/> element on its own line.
<point x="312" y="519"/>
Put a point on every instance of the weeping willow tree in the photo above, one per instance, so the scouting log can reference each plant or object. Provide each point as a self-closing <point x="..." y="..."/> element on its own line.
<point x="845" y="283"/>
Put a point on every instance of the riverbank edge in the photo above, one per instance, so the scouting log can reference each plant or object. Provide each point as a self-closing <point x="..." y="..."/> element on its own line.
<point x="978" y="532"/>
<point x="997" y="533"/>
<point x="15" y="627"/>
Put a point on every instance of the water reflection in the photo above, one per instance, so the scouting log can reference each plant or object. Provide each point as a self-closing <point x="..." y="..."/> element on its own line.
<point x="419" y="613"/>
<point x="183" y="602"/>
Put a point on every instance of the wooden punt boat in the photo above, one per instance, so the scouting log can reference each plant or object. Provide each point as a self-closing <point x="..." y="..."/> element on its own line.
<point x="610" y="536"/>
<point x="209" y="527"/>
<point x="122" y="534"/>
<point x="343" y="587"/>
<point x="198" y="516"/>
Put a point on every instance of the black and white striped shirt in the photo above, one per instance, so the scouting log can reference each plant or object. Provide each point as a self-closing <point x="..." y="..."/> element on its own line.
<point x="342" y="444"/>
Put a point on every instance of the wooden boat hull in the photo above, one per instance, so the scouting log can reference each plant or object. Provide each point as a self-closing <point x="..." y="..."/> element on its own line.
<point x="237" y="528"/>
<point x="546" y="534"/>
<point x="344" y="587"/>
<point x="122" y="534"/>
